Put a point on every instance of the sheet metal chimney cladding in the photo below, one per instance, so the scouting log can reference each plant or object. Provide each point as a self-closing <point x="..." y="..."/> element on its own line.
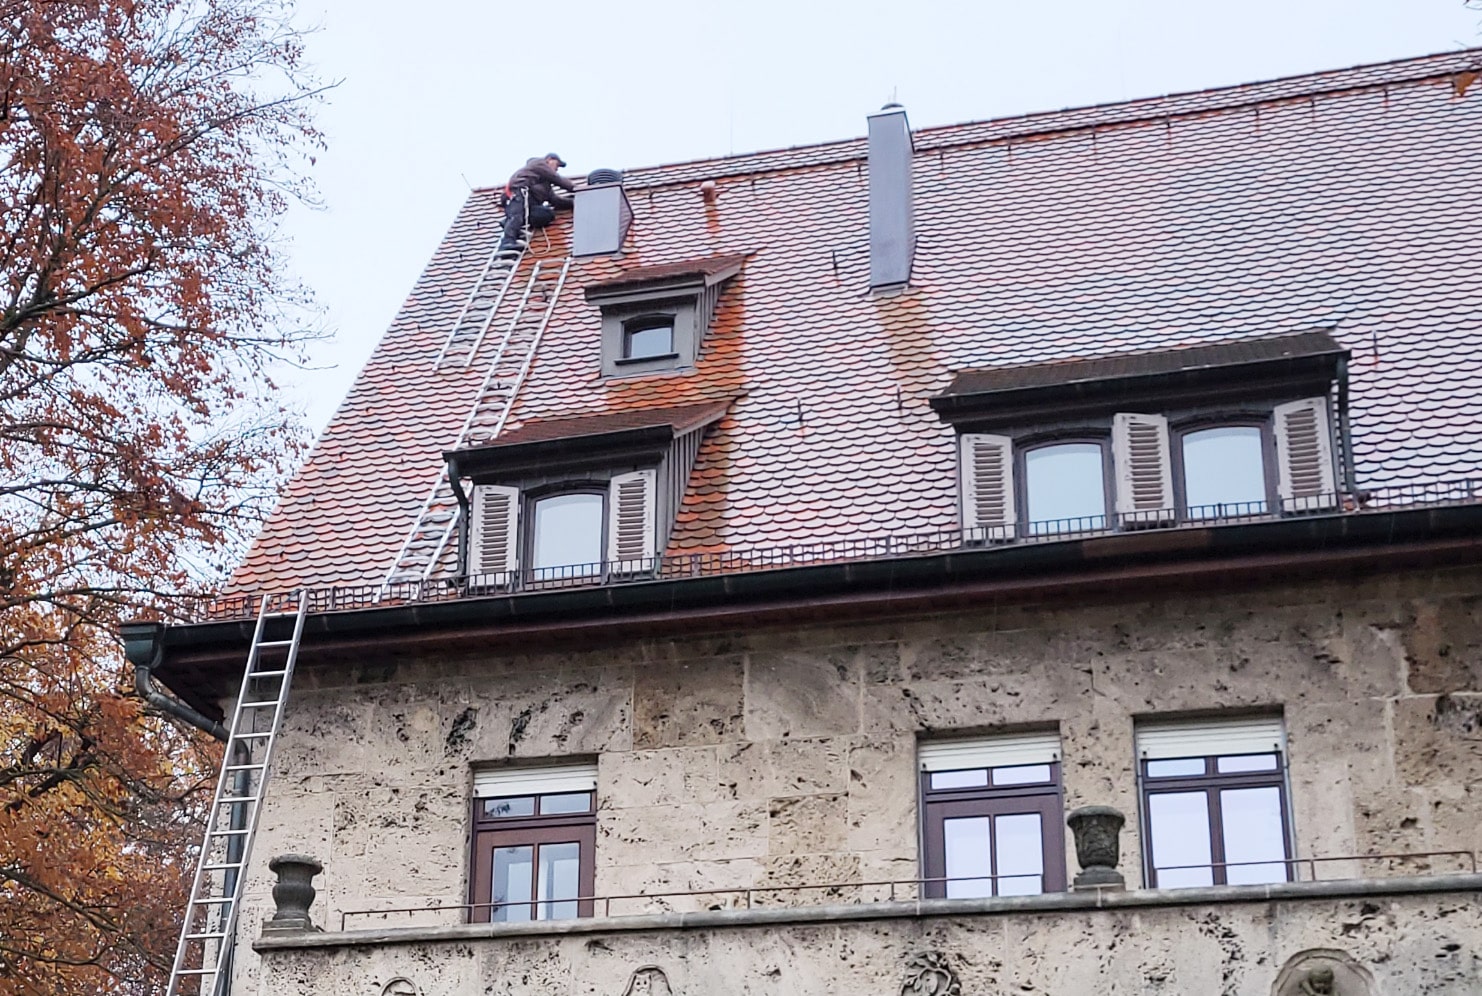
<point x="602" y="215"/>
<point x="892" y="214"/>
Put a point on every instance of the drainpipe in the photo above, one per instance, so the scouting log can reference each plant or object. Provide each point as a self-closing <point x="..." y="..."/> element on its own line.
<point x="1344" y="434"/>
<point x="144" y="646"/>
<point x="465" y="516"/>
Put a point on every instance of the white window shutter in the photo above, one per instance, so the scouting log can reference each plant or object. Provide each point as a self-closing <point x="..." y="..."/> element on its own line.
<point x="1144" y="470"/>
<point x="1304" y="456"/>
<point x="987" y="487"/>
<point x="494" y="536"/>
<point x="630" y="521"/>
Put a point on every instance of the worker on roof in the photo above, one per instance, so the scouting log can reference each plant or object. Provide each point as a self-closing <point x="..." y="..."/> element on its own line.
<point x="529" y="200"/>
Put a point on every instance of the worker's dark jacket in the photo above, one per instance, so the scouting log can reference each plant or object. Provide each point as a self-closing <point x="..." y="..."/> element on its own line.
<point x="536" y="177"/>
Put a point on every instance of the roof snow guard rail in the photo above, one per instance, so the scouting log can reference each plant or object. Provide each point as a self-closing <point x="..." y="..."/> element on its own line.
<point x="669" y="567"/>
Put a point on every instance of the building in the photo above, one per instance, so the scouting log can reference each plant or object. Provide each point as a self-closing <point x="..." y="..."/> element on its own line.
<point x="827" y="524"/>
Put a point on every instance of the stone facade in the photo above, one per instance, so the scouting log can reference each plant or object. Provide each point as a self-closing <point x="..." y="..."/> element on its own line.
<point x="787" y="758"/>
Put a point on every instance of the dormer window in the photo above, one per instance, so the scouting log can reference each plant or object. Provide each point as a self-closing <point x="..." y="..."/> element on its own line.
<point x="577" y="501"/>
<point x="648" y="337"/>
<point x="1210" y="434"/>
<point x="654" y="318"/>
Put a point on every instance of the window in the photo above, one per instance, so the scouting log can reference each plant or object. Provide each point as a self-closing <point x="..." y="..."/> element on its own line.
<point x="648" y="337"/>
<point x="1214" y="803"/>
<point x="566" y="535"/>
<point x="1224" y="472"/>
<point x="992" y="817"/>
<point x="1065" y="488"/>
<point x="535" y="837"/>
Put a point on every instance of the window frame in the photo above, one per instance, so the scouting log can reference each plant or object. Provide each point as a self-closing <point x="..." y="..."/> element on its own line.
<point x="1026" y="443"/>
<point x="1212" y="783"/>
<point x="938" y="805"/>
<point x="532" y="575"/>
<point x="642" y="323"/>
<point x="1240" y="419"/>
<point x="489" y="833"/>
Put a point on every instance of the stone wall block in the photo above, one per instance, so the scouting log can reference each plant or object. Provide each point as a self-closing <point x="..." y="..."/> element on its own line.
<point x="696" y="702"/>
<point x="802" y="694"/>
<point x="1443" y="643"/>
<point x="807" y="824"/>
<point x="784" y="767"/>
<point x="717" y="831"/>
<point x="322" y="732"/>
<point x="671" y="776"/>
<point x="884" y="790"/>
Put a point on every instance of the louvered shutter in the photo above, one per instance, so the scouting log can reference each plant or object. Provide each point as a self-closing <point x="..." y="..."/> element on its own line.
<point x="1304" y="456"/>
<point x="630" y="522"/>
<point x="1144" y="471"/>
<point x="987" y="487"/>
<point x="493" y="545"/>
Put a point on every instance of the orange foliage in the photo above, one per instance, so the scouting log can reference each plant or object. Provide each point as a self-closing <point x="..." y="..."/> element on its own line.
<point x="146" y="148"/>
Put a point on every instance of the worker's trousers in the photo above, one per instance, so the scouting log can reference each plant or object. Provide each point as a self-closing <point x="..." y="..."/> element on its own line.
<point x="518" y="213"/>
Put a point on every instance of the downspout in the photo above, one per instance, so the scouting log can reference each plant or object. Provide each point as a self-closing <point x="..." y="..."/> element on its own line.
<point x="1345" y="436"/>
<point x="144" y="646"/>
<point x="465" y="514"/>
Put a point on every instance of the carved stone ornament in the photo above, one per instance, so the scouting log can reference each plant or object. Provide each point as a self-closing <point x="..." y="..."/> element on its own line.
<point x="1323" y="972"/>
<point x="1098" y="846"/>
<point x="400" y="986"/>
<point x="649" y="980"/>
<point x="929" y="974"/>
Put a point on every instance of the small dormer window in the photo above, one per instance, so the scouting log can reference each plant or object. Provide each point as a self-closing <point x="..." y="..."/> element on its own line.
<point x="655" y="318"/>
<point x="566" y="535"/>
<point x="648" y="337"/>
<point x="1224" y="471"/>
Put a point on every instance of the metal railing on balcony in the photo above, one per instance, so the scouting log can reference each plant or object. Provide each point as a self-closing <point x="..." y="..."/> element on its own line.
<point x="1349" y="867"/>
<point x="1398" y="497"/>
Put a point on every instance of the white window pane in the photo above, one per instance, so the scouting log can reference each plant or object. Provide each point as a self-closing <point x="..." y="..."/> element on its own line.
<point x="1022" y="774"/>
<point x="967" y="857"/>
<point x="1251" y="822"/>
<point x="512" y="871"/>
<point x="1066" y="487"/>
<point x="656" y="340"/>
<point x="568" y="531"/>
<point x="500" y="808"/>
<point x="1179" y="822"/>
<point x="1224" y="472"/>
<point x="1019" y="847"/>
<point x="560" y="879"/>
<point x="1176" y="767"/>
<point x="1237" y="763"/>
<point x="567" y="802"/>
<point x="976" y="778"/>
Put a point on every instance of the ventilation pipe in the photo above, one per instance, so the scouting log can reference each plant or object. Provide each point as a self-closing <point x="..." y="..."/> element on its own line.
<point x="602" y="215"/>
<point x="892" y="216"/>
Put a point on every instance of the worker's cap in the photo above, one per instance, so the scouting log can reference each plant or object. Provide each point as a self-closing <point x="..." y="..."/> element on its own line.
<point x="558" y="159"/>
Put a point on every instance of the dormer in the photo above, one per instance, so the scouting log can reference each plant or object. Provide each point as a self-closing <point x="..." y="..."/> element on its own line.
<point x="654" y="318"/>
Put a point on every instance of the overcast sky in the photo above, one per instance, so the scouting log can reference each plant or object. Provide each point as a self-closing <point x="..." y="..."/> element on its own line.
<point x="439" y="95"/>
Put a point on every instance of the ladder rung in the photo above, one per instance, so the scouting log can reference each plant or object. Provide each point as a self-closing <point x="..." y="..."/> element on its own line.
<point x="229" y="833"/>
<point x="221" y="867"/>
<point x="215" y="935"/>
<point x="275" y="643"/>
<point x="266" y="674"/>
<point x="258" y="705"/>
<point x="251" y="736"/>
<point x="232" y="800"/>
<point x="245" y="767"/>
<point x="220" y="901"/>
<point x="195" y="971"/>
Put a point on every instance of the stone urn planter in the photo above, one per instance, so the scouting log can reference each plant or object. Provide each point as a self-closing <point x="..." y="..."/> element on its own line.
<point x="1097" y="831"/>
<point x="294" y="891"/>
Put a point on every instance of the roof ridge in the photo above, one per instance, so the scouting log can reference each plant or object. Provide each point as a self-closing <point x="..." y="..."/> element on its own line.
<point x="1279" y="88"/>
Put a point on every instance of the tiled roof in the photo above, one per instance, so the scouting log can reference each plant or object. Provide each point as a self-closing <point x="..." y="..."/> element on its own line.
<point x="1340" y="201"/>
<point x="639" y="276"/>
<point x="1138" y="363"/>
<point x="680" y="418"/>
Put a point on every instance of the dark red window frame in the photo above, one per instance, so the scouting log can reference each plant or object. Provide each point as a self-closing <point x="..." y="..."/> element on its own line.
<point x="1043" y="798"/>
<point x="491" y="832"/>
<point x="1211" y="783"/>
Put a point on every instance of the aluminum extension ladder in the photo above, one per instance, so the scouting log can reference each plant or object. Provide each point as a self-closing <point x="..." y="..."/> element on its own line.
<point x="216" y="892"/>
<point x="424" y="546"/>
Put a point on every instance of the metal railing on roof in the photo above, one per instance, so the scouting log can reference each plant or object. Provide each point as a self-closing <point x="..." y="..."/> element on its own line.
<point x="669" y="567"/>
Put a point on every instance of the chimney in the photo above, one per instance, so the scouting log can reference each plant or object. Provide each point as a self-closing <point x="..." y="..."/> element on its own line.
<point x="602" y="215"/>
<point x="892" y="218"/>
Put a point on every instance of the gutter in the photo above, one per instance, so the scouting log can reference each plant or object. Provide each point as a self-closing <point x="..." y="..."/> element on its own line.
<point x="145" y="649"/>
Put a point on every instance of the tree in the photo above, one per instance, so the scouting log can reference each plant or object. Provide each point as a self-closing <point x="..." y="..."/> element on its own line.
<point x="146" y="149"/>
